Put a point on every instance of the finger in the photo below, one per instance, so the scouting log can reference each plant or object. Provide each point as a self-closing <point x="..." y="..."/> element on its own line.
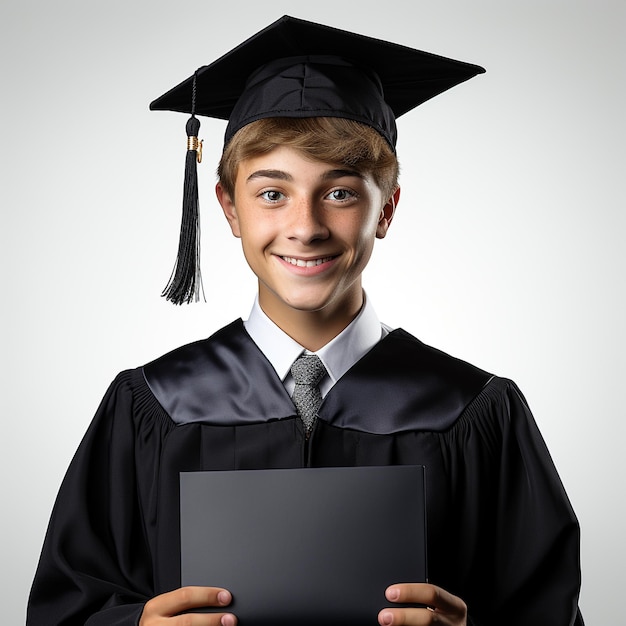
<point x="199" y="619"/>
<point x="184" y="599"/>
<point x="428" y="595"/>
<point x="192" y="619"/>
<point x="406" y="617"/>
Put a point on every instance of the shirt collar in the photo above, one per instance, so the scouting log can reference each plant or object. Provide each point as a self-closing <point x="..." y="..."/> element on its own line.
<point x="338" y="355"/>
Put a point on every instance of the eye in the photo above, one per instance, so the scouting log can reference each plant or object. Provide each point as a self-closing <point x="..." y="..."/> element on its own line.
<point x="341" y="195"/>
<point x="271" y="195"/>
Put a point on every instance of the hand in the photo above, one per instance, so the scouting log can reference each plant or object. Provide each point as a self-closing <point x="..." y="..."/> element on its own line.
<point x="170" y="609"/>
<point x="442" y="607"/>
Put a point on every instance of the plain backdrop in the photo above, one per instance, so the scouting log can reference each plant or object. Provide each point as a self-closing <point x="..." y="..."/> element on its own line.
<point x="506" y="250"/>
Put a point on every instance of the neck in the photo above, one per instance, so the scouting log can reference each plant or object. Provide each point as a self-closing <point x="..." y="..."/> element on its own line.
<point x="313" y="329"/>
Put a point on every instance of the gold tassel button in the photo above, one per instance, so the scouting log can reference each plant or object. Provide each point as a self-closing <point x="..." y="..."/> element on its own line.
<point x="194" y="144"/>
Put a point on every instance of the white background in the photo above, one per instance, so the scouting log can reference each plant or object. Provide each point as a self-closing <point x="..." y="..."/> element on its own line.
<point x="507" y="248"/>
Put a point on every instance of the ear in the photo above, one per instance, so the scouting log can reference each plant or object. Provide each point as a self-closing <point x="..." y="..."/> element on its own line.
<point x="387" y="213"/>
<point x="228" y="206"/>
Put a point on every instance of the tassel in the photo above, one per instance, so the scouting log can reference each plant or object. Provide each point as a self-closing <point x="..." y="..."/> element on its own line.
<point x="185" y="283"/>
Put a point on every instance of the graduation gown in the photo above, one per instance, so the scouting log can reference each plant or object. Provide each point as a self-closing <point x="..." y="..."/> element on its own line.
<point x="501" y="532"/>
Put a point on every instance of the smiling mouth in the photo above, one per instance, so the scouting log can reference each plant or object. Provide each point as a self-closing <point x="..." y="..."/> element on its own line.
<point x="307" y="262"/>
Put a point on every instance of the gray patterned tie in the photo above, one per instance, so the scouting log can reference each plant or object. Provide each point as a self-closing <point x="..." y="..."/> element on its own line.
<point x="307" y="371"/>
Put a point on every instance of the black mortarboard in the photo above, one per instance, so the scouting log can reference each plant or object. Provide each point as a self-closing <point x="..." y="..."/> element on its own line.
<point x="295" y="68"/>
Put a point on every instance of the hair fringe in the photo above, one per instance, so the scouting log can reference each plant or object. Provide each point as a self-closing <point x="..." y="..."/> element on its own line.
<point x="327" y="139"/>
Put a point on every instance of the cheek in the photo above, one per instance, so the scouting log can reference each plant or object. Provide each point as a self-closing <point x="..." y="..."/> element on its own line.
<point x="364" y="239"/>
<point x="362" y="247"/>
<point x="256" y="235"/>
<point x="362" y="235"/>
<point x="365" y="251"/>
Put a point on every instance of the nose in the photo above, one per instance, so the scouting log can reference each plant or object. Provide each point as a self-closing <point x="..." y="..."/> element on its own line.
<point x="306" y="222"/>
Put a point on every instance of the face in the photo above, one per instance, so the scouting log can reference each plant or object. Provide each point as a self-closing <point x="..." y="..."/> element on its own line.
<point x="307" y="230"/>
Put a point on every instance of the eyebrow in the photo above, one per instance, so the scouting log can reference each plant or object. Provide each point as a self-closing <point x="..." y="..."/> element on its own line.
<point x="275" y="174"/>
<point x="341" y="173"/>
<point x="281" y="175"/>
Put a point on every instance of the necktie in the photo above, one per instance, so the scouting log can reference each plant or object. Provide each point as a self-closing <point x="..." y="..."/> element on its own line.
<point x="307" y="371"/>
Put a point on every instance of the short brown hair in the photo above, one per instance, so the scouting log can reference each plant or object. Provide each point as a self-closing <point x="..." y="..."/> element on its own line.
<point x="327" y="139"/>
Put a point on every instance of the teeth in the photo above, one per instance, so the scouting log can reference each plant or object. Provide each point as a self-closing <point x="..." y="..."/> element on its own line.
<point x="303" y="263"/>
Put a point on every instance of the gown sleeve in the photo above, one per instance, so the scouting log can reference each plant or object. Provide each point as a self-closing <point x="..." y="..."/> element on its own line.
<point x="96" y="563"/>
<point x="516" y="524"/>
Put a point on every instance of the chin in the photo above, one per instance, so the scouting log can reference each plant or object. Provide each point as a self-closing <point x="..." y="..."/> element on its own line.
<point x="304" y="300"/>
<point x="311" y="300"/>
<point x="310" y="305"/>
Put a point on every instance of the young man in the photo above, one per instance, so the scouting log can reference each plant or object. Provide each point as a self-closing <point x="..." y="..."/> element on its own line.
<point x="308" y="181"/>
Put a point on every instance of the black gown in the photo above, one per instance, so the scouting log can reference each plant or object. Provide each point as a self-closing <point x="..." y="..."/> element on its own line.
<point x="501" y="532"/>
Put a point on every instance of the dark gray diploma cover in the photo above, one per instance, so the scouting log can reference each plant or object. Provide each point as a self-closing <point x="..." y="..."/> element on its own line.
<point x="314" y="546"/>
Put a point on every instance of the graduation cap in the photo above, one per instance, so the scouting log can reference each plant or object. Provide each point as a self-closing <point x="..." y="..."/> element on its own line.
<point x="295" y="68"/>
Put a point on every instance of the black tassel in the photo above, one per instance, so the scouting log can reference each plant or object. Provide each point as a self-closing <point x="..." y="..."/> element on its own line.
<point x="185" y="283"/>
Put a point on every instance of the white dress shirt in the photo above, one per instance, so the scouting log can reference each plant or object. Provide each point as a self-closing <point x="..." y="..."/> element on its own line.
<point x="338" y="355"/>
